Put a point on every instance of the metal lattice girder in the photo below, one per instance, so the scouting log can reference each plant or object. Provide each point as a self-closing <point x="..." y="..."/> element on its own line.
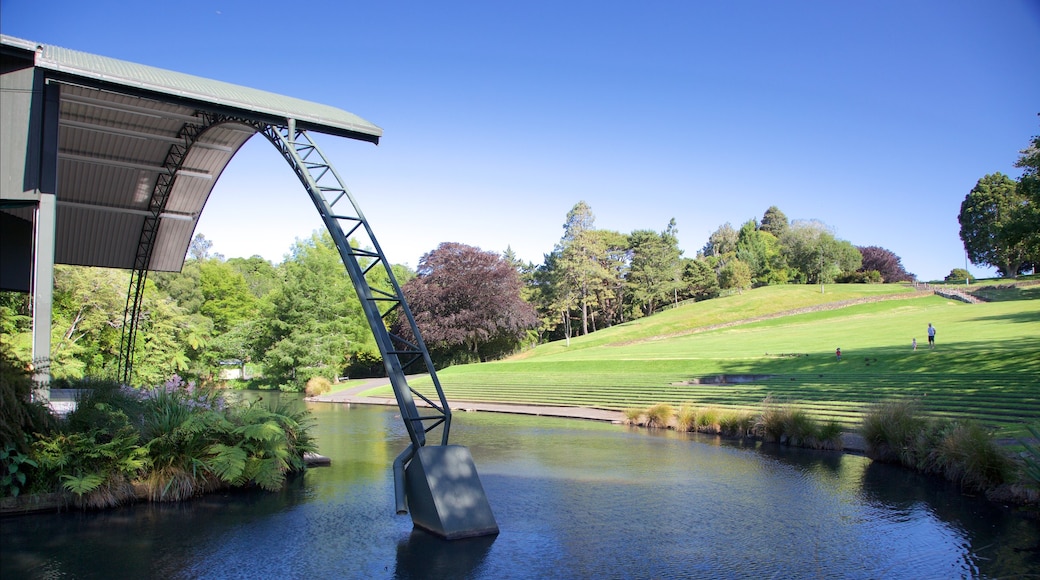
<point x="146" y="242"/>
<point x="345" y="222"/>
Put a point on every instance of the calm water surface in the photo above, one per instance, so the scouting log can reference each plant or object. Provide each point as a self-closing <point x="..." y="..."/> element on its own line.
<point x="573" y="499"/>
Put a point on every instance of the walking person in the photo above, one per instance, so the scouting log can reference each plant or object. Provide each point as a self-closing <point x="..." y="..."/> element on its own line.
<point x="913" y="344"/>
<point x="838" y="353"/>
<point x="931" y="336"/>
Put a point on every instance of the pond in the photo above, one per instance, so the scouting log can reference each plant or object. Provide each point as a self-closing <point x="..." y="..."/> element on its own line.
<point x="573" y="499"/>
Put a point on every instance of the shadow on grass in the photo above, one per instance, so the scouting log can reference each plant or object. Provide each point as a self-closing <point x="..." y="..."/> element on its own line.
<point x="1004" y="294"/>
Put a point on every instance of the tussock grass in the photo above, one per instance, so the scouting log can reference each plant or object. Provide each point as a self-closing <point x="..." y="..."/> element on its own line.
<point x="659" y="416"/>
<point x="961" y="450"/>
<point x="736" y="423"/>
<point x="708" y="420"/>
<point x="686" y="418"/>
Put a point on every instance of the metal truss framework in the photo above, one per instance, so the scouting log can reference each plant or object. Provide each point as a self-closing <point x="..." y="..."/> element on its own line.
<point x="189" y="133"/>
<point x="371" y="274"/>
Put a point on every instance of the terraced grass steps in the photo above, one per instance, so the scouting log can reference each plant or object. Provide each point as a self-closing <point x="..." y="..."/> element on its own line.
<point x="986" y="364"/>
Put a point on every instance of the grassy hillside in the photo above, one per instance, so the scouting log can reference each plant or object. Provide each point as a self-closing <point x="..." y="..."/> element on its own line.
<point x="986" y="363"/>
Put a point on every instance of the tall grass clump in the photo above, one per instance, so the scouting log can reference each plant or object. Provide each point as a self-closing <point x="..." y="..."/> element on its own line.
<point x="1031" y="455"/>
<point x="961" y="451"/>
<point x="890" y="429"/>
<point x="708" y="420"/>
<point x="686" y="418"/>
<point x="634" y="415"/>
<point x="659" y="416"/>
<point x="969" y="456"/>
<point x="771" y="423"/>
<point x="736" y="423"/>
<point x="317" y="386"/>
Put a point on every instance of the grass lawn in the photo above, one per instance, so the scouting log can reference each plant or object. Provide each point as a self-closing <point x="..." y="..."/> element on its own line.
<point x="986" y="364"/>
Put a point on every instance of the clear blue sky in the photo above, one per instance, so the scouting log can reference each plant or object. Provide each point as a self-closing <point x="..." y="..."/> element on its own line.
<point x="875" y="118"/>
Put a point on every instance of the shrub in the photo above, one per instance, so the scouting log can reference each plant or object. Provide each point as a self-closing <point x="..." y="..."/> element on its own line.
<point x="13" y="470"/>
<point x="659" y="415"/>
<point x="20" y="416"/>
<point x="317" y="386"/>
<point x="96" y="466"/>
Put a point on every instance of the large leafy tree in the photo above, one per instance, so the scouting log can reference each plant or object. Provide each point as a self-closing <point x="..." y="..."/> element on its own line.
<point x="700" y="282"/>
<point x="774" y="221"/>
<point x="87" y="321"/>
<point x="884" y="262"/>
<point x="654" y="274"/>
<point x="467" y="304"/>
<point x="579" y="267"/>
<point x="1027" y="219"/>
<point x="990" y="221"/>
<point x="816" y="255"/>
<point x="315" y="317"/>
<point x="610" y="295"/>
<point x="721" y="242"/>
<point x="760" y="251"/>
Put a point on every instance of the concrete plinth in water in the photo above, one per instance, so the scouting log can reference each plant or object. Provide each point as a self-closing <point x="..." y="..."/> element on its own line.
<point x="445" y="496"/>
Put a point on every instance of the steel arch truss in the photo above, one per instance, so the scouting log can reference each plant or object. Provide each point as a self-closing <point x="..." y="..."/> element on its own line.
<point x="371" y="274"/>
<point x="364" y="260"/>
<point x="189" y="133"/>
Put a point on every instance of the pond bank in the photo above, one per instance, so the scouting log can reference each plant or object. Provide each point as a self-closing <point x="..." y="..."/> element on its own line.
<point x="852" y="442"/>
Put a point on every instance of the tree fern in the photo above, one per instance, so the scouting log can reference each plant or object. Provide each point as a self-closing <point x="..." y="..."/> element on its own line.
<point x="81" y="485"/>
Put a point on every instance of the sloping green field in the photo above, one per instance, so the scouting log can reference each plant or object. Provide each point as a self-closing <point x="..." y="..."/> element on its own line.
<point x="781" y="341"/>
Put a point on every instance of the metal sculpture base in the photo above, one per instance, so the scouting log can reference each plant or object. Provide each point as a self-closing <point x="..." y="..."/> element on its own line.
<point x="445" y="496"/>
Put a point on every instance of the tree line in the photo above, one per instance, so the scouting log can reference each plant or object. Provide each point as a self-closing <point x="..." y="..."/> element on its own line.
<point x="301" y="318"/>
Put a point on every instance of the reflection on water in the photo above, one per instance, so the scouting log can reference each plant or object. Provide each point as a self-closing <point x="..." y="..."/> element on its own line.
<point x="573" y="499"/>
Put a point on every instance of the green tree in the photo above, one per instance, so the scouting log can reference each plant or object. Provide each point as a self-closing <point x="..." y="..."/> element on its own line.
<point x="735" y="275"/>
<point x="227" y="299"/>
<point x="774" y="221"/>
<point x="654" y="274"/>
<point x="816" y="255"/>
<point x="990" y="219"/>
<point x="316" y="320"/>
<point x="760" y="250"/>
<point x="261" y="276"/>
<point x="959" y="275"/>
<point x="87" y="321"/>
<point x="165" y="334"/>
<point x="610" y="296"/>
<point x="721" y="242"/>
<point x="700" y="282"/>
<point x="1026" y="229"/>
<point x="580" y="270"/>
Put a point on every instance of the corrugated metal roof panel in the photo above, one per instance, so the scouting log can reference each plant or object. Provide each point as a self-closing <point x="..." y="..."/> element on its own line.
<point x="201" y="89"/>
<point x="119" y="124"/>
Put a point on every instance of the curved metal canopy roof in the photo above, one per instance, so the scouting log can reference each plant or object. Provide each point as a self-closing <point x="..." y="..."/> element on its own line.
<point x="117" y="125"/>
